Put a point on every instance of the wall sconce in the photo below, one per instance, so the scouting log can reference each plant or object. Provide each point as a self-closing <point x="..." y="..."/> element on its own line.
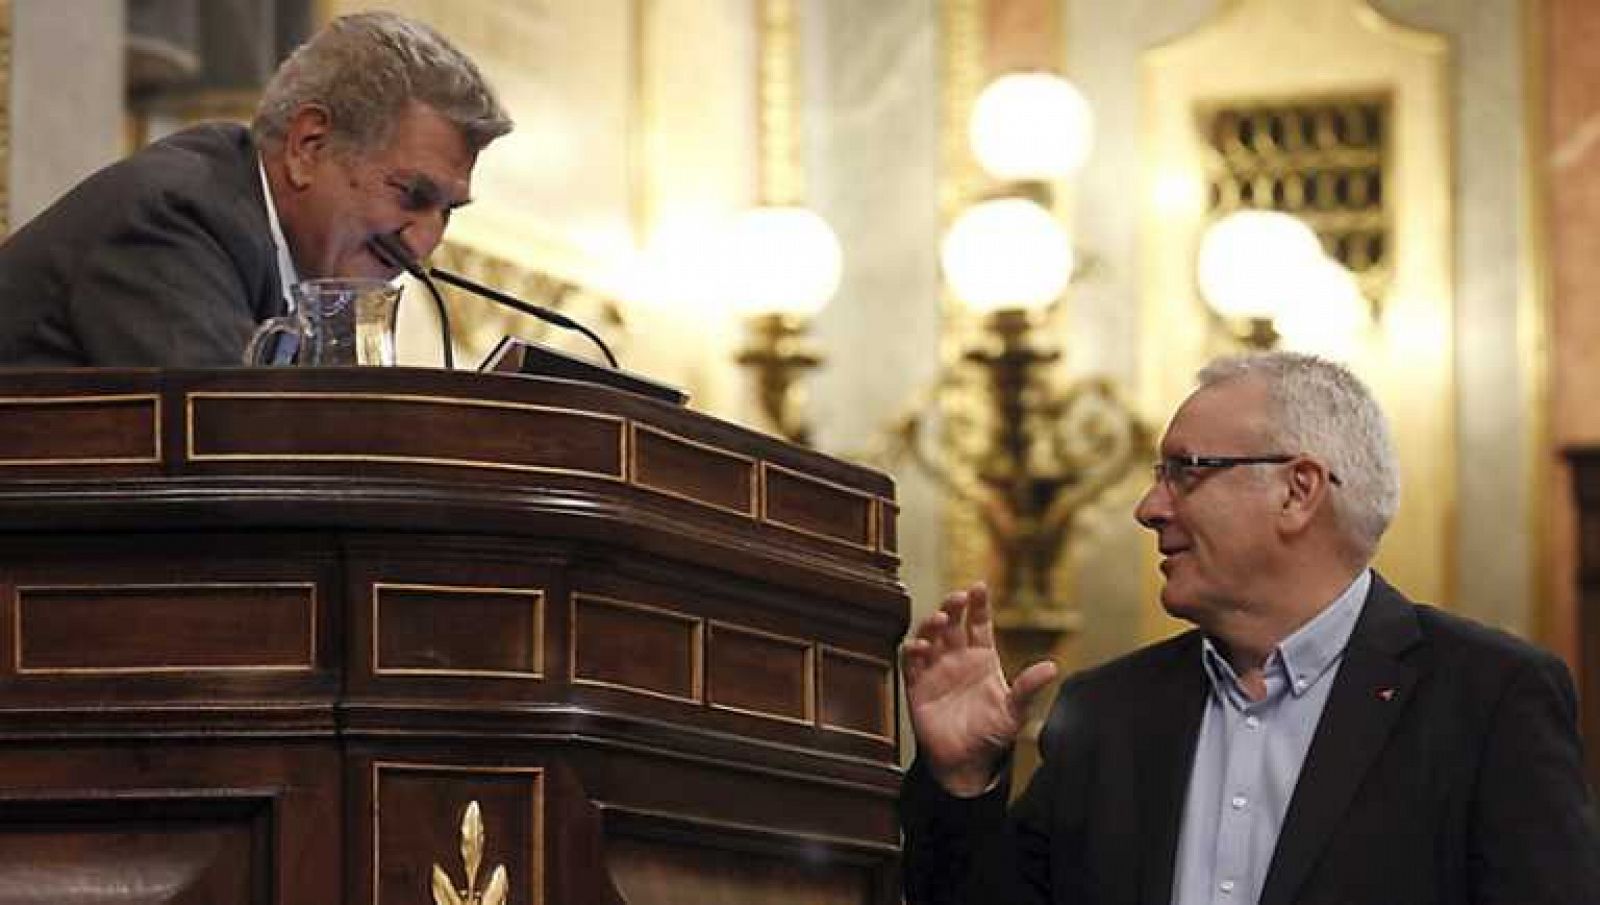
<point x="1050" y="447"/>
<point x="1264" y="276"/>
<point x="1035" y="449"/>
<point x="785" y="264"/>
<point x="1031" y="126"/>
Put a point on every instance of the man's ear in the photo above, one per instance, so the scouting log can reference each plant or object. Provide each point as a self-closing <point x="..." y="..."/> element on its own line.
<point x="306" y="143"/>
<point x="1307" y="494"/>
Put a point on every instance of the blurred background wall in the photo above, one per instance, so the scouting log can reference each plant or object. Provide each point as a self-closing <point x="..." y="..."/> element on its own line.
<point x="1441" y="152"/>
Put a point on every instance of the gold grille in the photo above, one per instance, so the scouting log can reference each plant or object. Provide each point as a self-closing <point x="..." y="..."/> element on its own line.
<point x="1322" y="160"/>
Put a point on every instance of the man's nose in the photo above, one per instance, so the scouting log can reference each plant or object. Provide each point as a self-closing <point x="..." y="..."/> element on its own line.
<point x="1155" y="507"/>
<point x="423" y="234"/>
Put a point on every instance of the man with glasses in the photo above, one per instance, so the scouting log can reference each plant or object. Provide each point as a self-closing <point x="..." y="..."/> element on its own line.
<point x="172" y="256"/>
<point x="1317" y="739"/>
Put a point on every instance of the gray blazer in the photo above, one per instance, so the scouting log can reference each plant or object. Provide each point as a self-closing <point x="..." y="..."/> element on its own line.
<point x="162" y="259"/>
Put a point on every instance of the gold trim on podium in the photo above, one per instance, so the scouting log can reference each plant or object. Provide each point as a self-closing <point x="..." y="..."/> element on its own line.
<point x="18" y="597"/>
<point x="887" y="692"/>
<point x="115" y="398"/>
<point x="536" y="670"/>
<point x="412" y="399"/>
<point x="870" y="545"/>
<point x="750" y="510"/>
<point x="808" y="679"/>
<point x="696" y="652"/>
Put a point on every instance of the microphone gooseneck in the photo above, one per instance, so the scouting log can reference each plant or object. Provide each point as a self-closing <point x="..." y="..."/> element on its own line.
<point x="510" y="301"/>
<point x="394" y="252"/>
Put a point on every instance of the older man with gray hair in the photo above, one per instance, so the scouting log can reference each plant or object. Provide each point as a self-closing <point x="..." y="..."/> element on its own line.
<point x="1317" y="739"/>
<point x="172" y="256"/>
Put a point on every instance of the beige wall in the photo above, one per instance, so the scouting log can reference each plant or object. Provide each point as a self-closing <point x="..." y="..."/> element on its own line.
<point x="66" y="97"/>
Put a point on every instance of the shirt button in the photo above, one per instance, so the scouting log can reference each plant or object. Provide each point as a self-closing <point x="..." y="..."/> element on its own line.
<point x="1226" y="886"/>
<point x="1239" y="801"/>
<point x="1254" y="722"/>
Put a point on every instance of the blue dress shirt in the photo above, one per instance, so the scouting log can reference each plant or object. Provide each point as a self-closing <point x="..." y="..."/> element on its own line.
<point x="1249" y="755"/>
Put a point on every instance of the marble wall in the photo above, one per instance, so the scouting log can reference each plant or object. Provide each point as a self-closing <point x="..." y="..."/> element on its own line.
<point x="66" y="97"/>
<point x="1496" y="310"/>
<point x="871" y="159"/>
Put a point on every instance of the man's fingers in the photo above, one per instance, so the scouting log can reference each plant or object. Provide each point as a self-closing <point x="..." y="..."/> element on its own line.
<point x="980" y="625"/>
<point x="1028" y="682"/>
<point x="931" y="626"/>
<point x="954" y="634"/>
<point x="914" y="659"/>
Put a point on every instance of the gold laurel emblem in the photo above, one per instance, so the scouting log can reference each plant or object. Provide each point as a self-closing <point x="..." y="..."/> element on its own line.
<point x="444" y="890"/>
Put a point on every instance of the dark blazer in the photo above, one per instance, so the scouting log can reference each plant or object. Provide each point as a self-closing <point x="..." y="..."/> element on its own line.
<point x="1446" y="770"/>
<point x="163" y="259"/>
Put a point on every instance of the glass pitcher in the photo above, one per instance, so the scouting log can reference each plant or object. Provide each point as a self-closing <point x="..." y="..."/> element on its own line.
<point x="336" y="323"/>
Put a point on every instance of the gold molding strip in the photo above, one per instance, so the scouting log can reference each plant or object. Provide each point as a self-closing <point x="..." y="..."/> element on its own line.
<point x="778" y="115"/>
<point x="697" y="645"/>
<point x="808" y="677"/>
<point x="536" y="882"/>
<point x="964" y="71"/>
<point x="888" y="511"/>
<point x="18" y="602"/>
<point x="538" y="602"/>
<point x="1536" y="343"/>
<point x="115" y="398"/>
<point x="888" y="733"/>
<point x="193" y="456"/>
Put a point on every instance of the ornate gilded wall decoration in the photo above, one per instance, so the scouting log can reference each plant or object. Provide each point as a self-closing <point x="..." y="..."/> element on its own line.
<point x="780" y="172"/>
<point x="1322" y="160"/>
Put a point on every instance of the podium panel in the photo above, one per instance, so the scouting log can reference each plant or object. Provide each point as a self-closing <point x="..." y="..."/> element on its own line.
<point x="309" y="636"/>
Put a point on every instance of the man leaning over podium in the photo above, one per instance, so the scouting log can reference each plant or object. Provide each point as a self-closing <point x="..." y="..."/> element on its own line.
<point x="171" y="257"/>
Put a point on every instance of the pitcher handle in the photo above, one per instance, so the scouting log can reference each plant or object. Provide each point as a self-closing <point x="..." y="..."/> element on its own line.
<point x="265" y="348"/>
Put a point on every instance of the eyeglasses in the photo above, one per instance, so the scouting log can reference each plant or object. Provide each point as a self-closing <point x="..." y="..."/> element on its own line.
<point x="1179" y="471"/>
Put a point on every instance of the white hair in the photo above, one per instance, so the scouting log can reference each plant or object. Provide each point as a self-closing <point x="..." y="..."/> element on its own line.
<point x="1318" y="407"/>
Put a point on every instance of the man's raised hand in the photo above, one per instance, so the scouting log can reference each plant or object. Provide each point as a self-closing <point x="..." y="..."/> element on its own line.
<point x="963" y="712"/>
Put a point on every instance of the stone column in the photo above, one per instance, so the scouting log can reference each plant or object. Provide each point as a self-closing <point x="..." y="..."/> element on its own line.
<point x="66" y="98"/>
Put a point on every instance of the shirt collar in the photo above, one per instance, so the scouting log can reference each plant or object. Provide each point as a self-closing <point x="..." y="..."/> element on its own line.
<point x="1304" y="657"/>
<point x="1314" y="647"/>
<point x="287" y="274"/>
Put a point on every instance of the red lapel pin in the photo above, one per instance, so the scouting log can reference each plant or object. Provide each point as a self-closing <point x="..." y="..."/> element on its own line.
<point x="1386" y="694"/>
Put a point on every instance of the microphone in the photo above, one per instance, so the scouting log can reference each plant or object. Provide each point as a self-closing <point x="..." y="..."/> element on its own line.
<point x="391" y="249"/>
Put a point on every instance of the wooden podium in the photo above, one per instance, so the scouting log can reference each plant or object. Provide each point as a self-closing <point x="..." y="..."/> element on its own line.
<point x="265" y="635"/>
